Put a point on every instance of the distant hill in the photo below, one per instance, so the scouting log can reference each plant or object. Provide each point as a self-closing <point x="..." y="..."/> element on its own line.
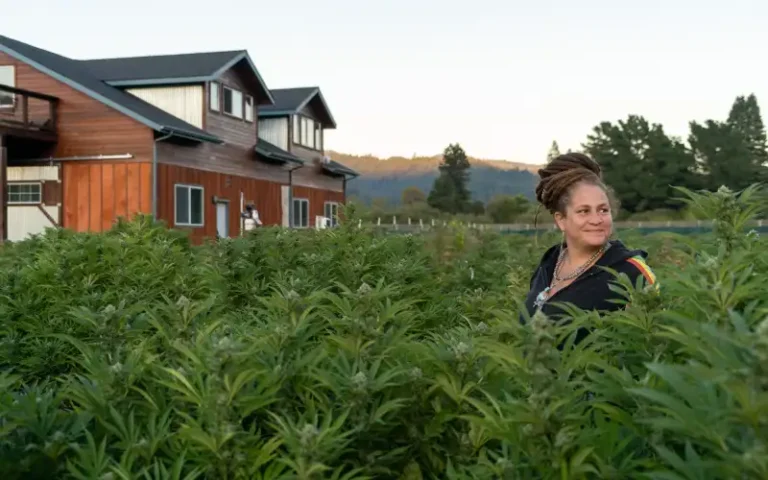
<point x="387" y="178"/>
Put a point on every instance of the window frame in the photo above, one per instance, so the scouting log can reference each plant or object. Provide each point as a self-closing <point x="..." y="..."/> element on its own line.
<point x="248" y="109"/>
<point x="18" y="184"/>
<point x="4" y="94"/>
<point x="234" y="91"/>
<point x="295" y="223"/>
<point x="334" y="217"/>
<point x="211" y="97"/>
<point x="189" y="188"/>
<point x="307" y="132"/>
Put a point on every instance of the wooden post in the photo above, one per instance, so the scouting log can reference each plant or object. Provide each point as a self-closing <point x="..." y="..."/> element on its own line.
<point x="3" y="193"/>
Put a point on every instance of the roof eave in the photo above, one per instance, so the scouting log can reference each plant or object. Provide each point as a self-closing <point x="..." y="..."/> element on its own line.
<point x="158" y="81"/>
<point x="244" y="56"/>
<point x="80" y="88"/>
<point x="191" y="136"/>
<point x="120" y="108"/>
<point x="276" y="156"/>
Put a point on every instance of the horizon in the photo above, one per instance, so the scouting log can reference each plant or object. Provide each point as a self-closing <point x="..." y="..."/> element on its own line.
<point x="406" y="79"/>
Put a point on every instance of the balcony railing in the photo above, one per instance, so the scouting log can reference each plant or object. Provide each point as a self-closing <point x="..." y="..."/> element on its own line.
<point x="27" y="112"/>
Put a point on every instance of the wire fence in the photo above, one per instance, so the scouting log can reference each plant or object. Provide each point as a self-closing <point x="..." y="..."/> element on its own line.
<point x="415" y="226"/>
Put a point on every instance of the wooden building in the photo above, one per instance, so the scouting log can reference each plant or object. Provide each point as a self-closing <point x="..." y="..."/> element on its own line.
<point x="177" y="136"/>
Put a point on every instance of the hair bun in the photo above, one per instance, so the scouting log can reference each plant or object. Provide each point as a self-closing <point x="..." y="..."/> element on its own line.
<point x="561" y="174"/>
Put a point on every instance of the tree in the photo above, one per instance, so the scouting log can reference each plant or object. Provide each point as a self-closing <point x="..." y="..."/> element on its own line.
<point x="641" y="163"/>
<point x="506" y="208"/>
<point x="554" y="151"/>
<point x="745" y="119"/>
<point x="722" y="155"/>
<point x="450" y="192"/>
<point x="412" y="195"/>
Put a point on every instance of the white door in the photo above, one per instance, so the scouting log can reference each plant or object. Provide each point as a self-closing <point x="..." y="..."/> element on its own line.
<point x="222" y="219"/>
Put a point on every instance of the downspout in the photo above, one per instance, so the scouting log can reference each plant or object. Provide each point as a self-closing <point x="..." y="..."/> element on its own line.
<point x="290" y="195"/>
<point x="154" y="174"/>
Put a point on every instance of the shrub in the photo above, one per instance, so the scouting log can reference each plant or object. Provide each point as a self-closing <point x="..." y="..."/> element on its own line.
<point x="347" y="354"/>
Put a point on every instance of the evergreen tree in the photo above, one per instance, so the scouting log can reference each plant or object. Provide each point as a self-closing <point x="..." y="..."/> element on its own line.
<point x="641" y="163"/>
<point x="745" y="119"/>
<point x="450" y="192"/>
<point x="722" y="155"/>
<point x="554" y="151"/>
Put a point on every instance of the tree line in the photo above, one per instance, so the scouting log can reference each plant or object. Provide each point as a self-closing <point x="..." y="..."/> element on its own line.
<point x="641" y="162"/>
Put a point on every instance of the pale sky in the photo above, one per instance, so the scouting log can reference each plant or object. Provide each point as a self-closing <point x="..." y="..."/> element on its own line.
<point x="405" y="77"/>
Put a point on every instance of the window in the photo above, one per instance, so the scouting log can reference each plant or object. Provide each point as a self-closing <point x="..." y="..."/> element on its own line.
<point x="318" y="136"/>
<point x="249" y="108"/>
<point x="25" y="193"/>
<point x="332" y="212"/>
<point x="7" y="78"/>
<point x="215" y="97"/>
<point x="233" y="102"/>
<point x="300" y="212"/>
<point x="189" y="206"/>
<point x="305" y="132"/>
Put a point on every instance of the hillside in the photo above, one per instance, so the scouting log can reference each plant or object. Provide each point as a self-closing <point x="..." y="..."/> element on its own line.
<point x="386" y="178"/>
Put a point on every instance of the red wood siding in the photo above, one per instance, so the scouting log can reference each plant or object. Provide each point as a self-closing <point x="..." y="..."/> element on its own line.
<point x="85" y="125"/>
<point x="96" y="194"/>
<point x="317" y="199"/>
<point x="265" y="195"/>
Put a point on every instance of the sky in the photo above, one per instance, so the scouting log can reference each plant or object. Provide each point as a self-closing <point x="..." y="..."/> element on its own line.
<point x="503" y="78"/>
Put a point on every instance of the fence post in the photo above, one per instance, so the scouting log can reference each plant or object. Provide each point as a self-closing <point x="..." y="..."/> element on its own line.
<point x="421" y="224"/>
<point x="378" y="222"/>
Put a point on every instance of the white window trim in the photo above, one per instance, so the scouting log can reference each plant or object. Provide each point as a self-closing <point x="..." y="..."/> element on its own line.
<point x="297" y="129"/>
<point x="293" y="210"/>
<point x="224" y="88"/>
<point x="13" y="85"/>
<point x="176" y="199"/>
<point x="248" y="108"/>
<point x="211" y="97"/>
<point x="305" y="139"/>
<point x="335" y="206"/>
<point x="11" y="184"/>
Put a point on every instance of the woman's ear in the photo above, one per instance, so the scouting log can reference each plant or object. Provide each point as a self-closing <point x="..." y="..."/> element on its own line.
<point x="560" y="221"/>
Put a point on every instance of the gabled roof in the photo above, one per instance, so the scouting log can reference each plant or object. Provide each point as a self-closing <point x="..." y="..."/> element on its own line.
<point x="272" y="152"/>
<point x="292" y="100"/>
<point x="189" y="65"/>
<point x="74" y="74"/>
<point x="172" y="69"/>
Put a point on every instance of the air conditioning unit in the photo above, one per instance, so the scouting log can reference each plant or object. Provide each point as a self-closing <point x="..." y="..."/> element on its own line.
<point x="322" y="222"/>
<point x="326" y="159"/>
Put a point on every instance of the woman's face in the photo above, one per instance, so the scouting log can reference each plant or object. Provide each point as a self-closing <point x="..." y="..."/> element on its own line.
<point x="588" y="221"/>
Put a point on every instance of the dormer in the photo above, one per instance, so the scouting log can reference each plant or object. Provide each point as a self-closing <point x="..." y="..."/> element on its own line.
<point x="297" y="120"/>
<point x="219" y="92"/>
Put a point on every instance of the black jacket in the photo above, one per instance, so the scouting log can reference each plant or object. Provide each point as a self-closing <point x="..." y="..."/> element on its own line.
<point x="591" y="290"/>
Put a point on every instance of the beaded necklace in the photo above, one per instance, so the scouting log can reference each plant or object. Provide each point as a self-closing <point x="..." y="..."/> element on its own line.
<point x="556" y="279"/>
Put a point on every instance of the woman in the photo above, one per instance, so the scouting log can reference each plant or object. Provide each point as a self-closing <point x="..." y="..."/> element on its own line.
<point x="571" y="188"/>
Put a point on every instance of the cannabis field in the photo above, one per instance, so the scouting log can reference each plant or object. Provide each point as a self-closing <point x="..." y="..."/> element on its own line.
<point x="345" y="354"/>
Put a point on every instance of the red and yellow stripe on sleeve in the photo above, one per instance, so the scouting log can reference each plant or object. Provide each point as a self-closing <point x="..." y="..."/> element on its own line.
<point x="639" y="263"/>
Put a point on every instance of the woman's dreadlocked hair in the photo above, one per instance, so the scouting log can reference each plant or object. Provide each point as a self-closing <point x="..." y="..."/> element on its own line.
<point x="561" y="174"/>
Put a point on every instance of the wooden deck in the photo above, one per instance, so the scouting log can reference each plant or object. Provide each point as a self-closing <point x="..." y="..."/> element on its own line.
<point x="25" y="114"/>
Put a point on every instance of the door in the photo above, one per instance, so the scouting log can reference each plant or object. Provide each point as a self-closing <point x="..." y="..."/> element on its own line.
<point x="222" y="219"/>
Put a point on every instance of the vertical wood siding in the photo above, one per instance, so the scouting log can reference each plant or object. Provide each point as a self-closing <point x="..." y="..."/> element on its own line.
<point x="96" y="194"/>
<point x="317" y="199"/>
<point x="184" y="102"/>
<point x="265" y="195"/>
